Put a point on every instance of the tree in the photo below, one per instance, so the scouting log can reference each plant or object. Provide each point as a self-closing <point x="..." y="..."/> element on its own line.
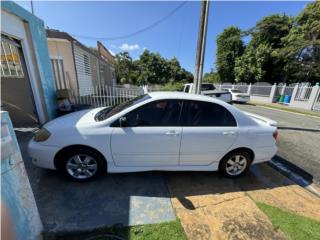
<point x="305" y="34"/>
<point x="229" y="47"/>
<point x="261" y="60"/>
<point x="125" y="68"/>
<point x="211" y="77"/>
<point x="150" y="68"/>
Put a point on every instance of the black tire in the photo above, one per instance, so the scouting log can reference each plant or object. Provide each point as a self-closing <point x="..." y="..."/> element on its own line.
<point x="232" y="156"/>
<point x="68" y="158"/>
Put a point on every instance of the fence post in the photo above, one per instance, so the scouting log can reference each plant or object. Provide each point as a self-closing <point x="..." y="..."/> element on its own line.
<point x="272" y="93"/>
<point x="294" y="93"/>
<point x="283" y="89"/>
<point x="249" y="89"/>
<point x="314" y="95"/>
<point x="232" y="87"/>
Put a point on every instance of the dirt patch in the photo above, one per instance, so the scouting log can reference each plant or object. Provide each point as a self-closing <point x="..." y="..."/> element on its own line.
<point x="211" y="207"/>
<point x="235" y="219"/>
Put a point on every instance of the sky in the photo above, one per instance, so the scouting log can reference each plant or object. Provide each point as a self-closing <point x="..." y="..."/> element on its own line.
<point x="176" y="36"/>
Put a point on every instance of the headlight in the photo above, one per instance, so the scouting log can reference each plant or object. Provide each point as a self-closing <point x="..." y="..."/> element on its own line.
<point x="42" y="135"/>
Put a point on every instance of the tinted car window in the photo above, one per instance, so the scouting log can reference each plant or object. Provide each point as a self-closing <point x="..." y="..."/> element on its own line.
<point x="157" y="113"/>
<point x="197" y="113"/>
<point x="207" y="87"/>
<point x="187" y="89"/>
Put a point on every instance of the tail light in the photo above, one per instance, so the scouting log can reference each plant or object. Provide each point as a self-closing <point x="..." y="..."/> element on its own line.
<point x="275" y="135"/>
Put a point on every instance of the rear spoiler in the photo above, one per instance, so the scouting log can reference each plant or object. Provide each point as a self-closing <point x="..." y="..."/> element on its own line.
<point x="268" y="121"/>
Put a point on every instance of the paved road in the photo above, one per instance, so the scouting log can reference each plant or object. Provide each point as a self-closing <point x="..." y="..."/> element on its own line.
<point x="299" y="138"/>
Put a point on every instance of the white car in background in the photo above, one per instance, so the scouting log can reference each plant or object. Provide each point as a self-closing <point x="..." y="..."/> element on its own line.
<point x="168" y="131"/>
<point x="238" y="96"/>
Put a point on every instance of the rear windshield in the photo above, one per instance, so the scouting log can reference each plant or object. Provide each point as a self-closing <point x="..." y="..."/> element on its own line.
<point x="110" y="111"/>
<point x="207" y="87"/>
<point x="235" y="91"/>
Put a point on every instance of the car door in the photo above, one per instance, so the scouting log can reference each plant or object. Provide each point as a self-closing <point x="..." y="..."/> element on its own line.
<point x="209" y="130"/>
<point x="151" y="136"/>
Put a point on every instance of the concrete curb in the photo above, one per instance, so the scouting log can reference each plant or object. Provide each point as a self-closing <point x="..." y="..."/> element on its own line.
<point x="283" y="110"/>
<point x="294" y="175"/>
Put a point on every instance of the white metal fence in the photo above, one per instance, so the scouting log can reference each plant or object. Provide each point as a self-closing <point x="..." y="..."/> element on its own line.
<point x="104" y="95"/>
<point x="302" y="95"/>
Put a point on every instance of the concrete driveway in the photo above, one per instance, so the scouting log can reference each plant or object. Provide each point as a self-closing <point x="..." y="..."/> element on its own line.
<point x="209" y="206"/>
<point x="125" y="199"/>
<point x="299" y="139"/>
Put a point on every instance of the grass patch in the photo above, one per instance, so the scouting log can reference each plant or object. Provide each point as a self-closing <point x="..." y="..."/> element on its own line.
<point x="294" y="226"/>
<point x="168" y="230"/>
<point x="288" y="109"/>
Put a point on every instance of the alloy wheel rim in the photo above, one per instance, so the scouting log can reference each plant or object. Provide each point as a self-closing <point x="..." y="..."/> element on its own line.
<point x="81" y="166"/>
<point x="236" y="165"/>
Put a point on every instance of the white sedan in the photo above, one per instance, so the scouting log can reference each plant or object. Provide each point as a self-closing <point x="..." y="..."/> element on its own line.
<point x="238" y="96"/>
<point x="167" y="131"/>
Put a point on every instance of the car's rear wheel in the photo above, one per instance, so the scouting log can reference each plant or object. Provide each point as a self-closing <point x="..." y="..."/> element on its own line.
<point x="81" y="164"/>
<point x="235" y="163"/>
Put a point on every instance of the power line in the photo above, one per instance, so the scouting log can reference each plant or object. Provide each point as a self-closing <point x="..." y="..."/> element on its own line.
<point x="136" y="32"/>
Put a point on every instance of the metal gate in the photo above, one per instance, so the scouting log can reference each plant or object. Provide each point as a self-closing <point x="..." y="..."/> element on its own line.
<point x="16" y="94"/>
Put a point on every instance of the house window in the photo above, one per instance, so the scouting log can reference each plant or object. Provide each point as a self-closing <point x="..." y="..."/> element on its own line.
<point x="59" y="75"/>
<point x="10" y="61"/>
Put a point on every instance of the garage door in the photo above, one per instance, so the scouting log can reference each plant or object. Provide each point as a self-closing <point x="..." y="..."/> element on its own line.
<point x="16" y="94"/>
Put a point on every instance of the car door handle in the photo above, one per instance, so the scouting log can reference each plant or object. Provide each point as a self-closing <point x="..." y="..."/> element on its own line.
<point x="172" y="133"/>
<point x="229" y="133"/>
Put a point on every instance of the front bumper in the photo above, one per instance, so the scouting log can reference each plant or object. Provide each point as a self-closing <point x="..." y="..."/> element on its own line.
<point x="42" y="155"/>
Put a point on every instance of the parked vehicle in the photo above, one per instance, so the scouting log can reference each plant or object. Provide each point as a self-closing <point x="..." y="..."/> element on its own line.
<point x="208" y="89"/>
<point x="168" y="131"/>
<point x="237" y="95"/>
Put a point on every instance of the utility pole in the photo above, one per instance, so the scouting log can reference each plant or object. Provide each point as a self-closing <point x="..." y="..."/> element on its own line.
<point x="201" y="44"/>
<point x="32" y="10"/>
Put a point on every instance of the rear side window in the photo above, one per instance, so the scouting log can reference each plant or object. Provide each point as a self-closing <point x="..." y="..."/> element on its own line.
<point x="206" y="114"/>
<point x="157" y="113"/>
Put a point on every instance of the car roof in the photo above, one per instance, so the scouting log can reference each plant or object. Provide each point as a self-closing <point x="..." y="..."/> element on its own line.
<point x="182" y="95"/>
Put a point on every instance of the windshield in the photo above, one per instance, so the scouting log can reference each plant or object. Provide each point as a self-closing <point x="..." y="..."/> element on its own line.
<point x="110" y="111"/>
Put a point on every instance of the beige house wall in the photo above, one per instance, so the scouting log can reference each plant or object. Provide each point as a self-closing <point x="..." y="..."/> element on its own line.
<point x="62" y="49"/>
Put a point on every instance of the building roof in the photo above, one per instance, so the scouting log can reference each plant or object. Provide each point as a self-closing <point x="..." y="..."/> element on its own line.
<point x="53" y="33"/>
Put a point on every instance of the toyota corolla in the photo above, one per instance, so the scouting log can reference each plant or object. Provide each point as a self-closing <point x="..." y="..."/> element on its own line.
<point x="167" y="131"/>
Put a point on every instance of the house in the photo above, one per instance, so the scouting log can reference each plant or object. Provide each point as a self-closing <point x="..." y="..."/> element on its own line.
<point x="76" y="66"/>
<point x="27" y="85"/>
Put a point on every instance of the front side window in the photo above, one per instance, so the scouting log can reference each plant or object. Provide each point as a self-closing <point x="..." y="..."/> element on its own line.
<point x="157" y="113"/>
<point x="206" y="114"/>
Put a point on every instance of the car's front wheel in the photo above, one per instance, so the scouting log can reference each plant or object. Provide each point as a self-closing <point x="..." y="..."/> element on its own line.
<point x="235" y="163"/>
<point x="81" y="164"/>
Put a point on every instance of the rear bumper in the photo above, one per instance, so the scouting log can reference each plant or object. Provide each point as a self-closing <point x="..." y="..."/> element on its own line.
<point x="41" y="155"/>
<point x="240" y="99"/>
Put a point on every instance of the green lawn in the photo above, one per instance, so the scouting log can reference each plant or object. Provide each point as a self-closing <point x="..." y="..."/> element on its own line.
<point x="169" y="230"/>
<point x="288" y="109"/>
<point x="294" y="226"/>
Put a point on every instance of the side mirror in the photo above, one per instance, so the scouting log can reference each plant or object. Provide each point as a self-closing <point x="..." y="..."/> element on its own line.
<point x="123" y="122"/>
